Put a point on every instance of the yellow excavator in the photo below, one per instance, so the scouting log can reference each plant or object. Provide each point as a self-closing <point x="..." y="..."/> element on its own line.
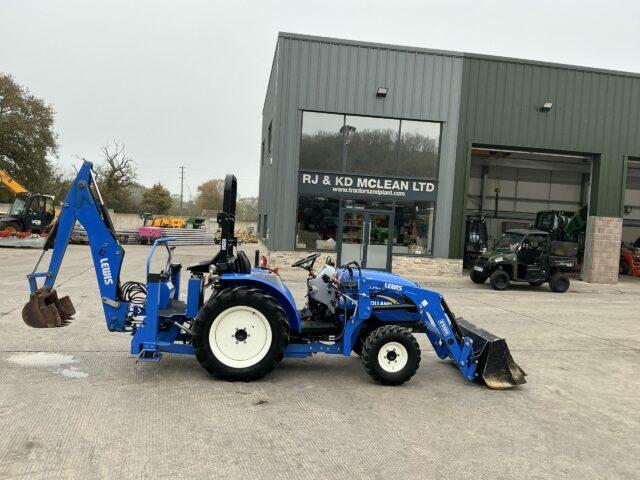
<point x="30" y="212"/>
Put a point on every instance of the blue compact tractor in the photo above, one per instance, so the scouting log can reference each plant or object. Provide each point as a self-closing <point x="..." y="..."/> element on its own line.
<point x="250" y="321"/>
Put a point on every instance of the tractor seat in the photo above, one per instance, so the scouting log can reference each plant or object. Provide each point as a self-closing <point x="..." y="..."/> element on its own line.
<point x="242" y="264"/>
<point x="200" y="267"/>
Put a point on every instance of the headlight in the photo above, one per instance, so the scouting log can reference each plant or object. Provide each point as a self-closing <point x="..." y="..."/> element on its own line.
<point x="499" y="259"/>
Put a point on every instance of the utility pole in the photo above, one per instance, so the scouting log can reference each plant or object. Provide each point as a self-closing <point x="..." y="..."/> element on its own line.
<point x="181" y="187"/>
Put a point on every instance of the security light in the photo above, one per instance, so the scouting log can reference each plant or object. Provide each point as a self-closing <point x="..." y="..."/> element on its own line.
<point x="382" y="92"/>
<point x="546" y="107"/>
<point x="628" y="209"/>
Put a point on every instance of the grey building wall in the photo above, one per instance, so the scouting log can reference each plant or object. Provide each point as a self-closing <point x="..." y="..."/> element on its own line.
<point x="331" y="75"/>
<point x="266" y="201"/>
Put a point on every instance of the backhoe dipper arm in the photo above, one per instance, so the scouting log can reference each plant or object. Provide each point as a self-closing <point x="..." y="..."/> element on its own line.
<point x="80" y="205"/>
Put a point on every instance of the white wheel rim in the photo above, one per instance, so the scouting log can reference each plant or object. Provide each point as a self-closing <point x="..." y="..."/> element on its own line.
<point x="234" y="348"/>
<point x="393" y="357"/>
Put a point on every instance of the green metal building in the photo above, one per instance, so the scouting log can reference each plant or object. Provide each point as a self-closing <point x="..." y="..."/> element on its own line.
<point x="499" y="137"/>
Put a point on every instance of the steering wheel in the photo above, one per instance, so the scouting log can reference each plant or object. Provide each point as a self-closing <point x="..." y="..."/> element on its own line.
<point x="307" y="263"/>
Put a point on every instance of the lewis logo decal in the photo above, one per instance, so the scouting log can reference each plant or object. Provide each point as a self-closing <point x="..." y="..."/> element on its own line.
<point x="106" y="271"/>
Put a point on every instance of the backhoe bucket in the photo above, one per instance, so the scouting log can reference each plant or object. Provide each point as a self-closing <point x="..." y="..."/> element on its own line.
<point x="45" y="310"/>
<point x="495" y="364"/>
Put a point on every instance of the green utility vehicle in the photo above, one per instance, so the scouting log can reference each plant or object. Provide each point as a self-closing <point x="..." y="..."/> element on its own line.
<point x="527" y="256"/>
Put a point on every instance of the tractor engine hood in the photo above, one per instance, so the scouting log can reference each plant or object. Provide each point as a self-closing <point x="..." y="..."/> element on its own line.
<point x="377" y="276"/>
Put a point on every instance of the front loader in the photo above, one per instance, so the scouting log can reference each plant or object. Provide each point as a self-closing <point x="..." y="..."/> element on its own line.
<point x="250" y="320"/>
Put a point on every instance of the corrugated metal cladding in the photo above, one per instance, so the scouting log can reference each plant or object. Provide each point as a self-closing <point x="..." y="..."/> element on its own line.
<point x="332" y="75"/>
<point x="596" y="112"/>
<point x="266" y="201"/>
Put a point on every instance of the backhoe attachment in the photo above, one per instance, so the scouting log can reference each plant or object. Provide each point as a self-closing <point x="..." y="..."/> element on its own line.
<point x="496" y="367"/>
<point x="83" y="204"/>
<point x="45" y="310"/>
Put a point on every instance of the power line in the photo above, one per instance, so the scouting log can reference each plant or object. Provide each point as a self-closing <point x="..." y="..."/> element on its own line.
<point x="181" y="187"/>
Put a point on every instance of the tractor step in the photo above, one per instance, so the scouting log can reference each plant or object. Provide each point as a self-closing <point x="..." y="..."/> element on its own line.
<point x="316" y="329"/>
<point x="149" y="356"/>
<point x="175" y="308"/>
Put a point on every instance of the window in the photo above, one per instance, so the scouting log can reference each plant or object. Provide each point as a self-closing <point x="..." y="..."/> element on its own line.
<point x="265" y="230"/>
<point x="269" y="138"/>
<point x="317" y="222"/>
<point x="418" y="151"/>
<point x="369" y="145"/>
<point x="262" y="153"/>
<point x="19" y="205"/>
<point x="321" y="142"/>
<point x="48" y="206"/>
<point x="413" y="228"/>
<point x="371" y="148"/>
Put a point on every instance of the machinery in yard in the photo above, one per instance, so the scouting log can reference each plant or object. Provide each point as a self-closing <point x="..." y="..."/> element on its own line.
<point x="564" y="226"/>
<point x="30" y="212"/>
<point x="630" y="259"/>
<point x="526" y="256"/>
<point x="250" y="321"/>
<point x="476" y="239"/>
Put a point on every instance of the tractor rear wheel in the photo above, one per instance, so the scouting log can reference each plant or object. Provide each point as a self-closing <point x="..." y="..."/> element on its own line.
<point x="477" y="277"/>
<point x="559" y="282"/>
<point x="499" y="280"/>
<point x="240" y="334"/>
<point x="391" y="355"/>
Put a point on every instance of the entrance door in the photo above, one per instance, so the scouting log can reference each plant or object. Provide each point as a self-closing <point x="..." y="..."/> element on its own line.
<point x="366" y="237"/>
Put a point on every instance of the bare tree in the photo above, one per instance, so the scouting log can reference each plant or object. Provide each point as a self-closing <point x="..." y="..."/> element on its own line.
<point x="118" y="168"/>
<point x="117" y="178"/>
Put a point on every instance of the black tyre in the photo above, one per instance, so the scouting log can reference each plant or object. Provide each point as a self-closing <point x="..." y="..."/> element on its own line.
<point x="559" y="282"/>
<point x="391" y="355"/>
<point x="358" y="345"/>
<point x="477" y="277"/>
<point x="499" y="280"/>
<point x="240" y="334"/>
<point x="13" y="227"/>
<point x="624" y="268"/>
<point x="536" y="283"/>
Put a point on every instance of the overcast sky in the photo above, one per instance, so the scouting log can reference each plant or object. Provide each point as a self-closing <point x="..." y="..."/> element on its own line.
<point x="183" y="82"/>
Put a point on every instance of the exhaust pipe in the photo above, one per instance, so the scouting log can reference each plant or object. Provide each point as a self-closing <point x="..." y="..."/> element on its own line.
<point x="496" y="367"/>
<point x="45" y="310"/>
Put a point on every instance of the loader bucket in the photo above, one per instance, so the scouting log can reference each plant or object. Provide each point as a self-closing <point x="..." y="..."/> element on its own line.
<point x="45" y="310"/>
<point x="495" y="364"/>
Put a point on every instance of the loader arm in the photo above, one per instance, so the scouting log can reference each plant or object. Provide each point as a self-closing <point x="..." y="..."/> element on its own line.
<point x="81" y="205"/>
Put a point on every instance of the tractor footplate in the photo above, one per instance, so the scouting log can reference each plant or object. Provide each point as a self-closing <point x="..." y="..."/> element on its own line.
<point x="496" y="367"/>
<point x="45" y="310"/>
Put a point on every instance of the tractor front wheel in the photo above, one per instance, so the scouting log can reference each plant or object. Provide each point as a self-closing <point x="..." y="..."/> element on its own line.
<point x="391" y="355"/>
<point x="240" y="334"/>
<point x="499" y="280"/>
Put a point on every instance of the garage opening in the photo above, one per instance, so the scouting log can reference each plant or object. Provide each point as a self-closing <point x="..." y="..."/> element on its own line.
<point x="508" y="188"/>
<point x="631" y="222"/>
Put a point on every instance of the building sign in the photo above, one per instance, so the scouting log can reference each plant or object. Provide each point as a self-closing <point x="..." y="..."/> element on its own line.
<point x="335" y="184"/>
